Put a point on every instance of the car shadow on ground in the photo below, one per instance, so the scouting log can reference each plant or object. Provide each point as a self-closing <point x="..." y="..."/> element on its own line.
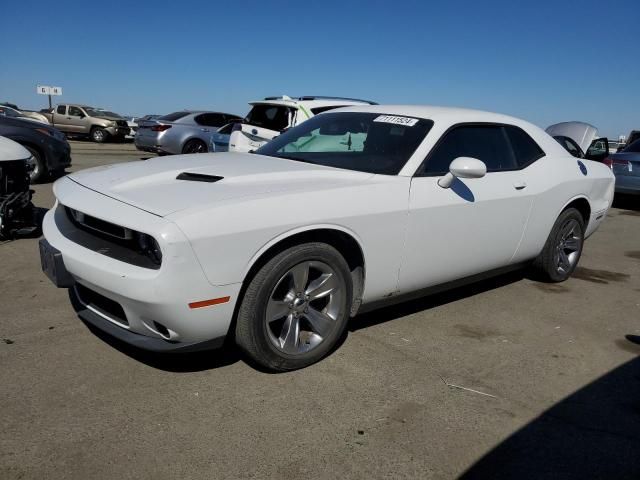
<point x="405" y="308"/>
<point x="230" y="354"/>
<point x="173" y="362"/>
<point x="593" y="433"/>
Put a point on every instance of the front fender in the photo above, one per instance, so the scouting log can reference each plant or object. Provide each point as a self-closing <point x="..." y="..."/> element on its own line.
<point x="303" y="229"/>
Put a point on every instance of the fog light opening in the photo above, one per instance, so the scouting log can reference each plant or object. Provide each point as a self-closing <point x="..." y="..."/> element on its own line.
<point x="162" y="330"/>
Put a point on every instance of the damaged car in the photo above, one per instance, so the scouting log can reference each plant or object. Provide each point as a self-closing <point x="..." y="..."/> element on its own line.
<point x="17" y="213"/>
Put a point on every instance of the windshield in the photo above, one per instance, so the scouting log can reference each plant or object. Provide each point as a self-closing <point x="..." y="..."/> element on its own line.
<point x="633" y="148"/>
<point x="94" y="112"/>
<point x="366" y="142"/>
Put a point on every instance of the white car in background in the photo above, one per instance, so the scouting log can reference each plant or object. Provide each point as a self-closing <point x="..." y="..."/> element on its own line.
<point x="348" y="211"/>
<point x="270" y="117"/>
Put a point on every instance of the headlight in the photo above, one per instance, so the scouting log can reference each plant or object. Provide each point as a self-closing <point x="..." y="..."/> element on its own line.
<point x="149" y="246"/>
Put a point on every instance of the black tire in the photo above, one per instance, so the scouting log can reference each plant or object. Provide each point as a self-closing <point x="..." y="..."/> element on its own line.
<point x="195" y="146"/>
<point x="99" y="135"/>
<point x="546" y="266"/>
<point x="38" y="171"/>
<point x="252" y="334"/>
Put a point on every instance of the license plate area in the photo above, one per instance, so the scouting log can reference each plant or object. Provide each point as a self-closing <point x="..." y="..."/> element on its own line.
<point x="53" y="265"/>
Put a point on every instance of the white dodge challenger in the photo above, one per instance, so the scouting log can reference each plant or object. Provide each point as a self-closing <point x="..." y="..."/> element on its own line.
<point x="353" y="209"/>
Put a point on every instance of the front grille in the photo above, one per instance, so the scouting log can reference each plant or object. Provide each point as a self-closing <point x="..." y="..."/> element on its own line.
<point x="102" y="304"/>
<point x="100" y="226"/>
<point x="109" y="239"/>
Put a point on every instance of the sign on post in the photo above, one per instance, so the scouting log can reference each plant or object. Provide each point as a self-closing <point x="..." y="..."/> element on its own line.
<point x="47" y="90"/>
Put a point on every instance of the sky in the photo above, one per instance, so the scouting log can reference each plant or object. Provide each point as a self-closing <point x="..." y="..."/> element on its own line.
<point x="544" y="61"/>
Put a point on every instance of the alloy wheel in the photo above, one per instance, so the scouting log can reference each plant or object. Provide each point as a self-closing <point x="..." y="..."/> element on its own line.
<point x="568" y="247"/>
<point x="303" y="307"/>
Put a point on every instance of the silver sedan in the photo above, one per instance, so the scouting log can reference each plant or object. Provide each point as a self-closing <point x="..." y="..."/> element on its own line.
<point x="181" y="132"/>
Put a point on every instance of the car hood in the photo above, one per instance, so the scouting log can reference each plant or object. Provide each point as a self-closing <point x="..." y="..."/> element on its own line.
<point x="153" y="186"/>
<point x="10" y="150"/>
<point x="581" y="133"/>
<point x="108" y="117"/>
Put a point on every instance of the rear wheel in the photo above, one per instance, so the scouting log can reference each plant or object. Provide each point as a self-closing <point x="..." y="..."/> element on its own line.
<point x="195" y="146"/>
<point x="563" y="248"/>
<point x="296" y="307"/>
<point x="99" y="135"/>
<point x="37" y="165"/>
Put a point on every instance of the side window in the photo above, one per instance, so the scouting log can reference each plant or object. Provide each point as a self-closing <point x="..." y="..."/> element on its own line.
<point x="485" y="142"/>
<point x="210" y="119"/>
<point x="570" y="146"/>
<point x="75" y="112"/>
<point x="318" y="110"/>
<point x="525" y="149"/>
<point x="226" y="130"/>
<point x="62" y="109"/>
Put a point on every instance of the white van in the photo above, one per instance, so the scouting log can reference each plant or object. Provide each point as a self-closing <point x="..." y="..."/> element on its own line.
<point x="270" y="117"/>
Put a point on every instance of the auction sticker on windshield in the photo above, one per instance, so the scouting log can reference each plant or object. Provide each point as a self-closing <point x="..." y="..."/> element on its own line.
<point x="409" y="122"/>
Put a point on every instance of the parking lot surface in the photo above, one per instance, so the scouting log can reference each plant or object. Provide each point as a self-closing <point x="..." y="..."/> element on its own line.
<point x="507" y="378"/>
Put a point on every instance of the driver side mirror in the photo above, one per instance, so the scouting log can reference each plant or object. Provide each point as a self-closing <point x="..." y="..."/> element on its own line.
<point x="81" y="115"/>
<point x="463" y="167"/>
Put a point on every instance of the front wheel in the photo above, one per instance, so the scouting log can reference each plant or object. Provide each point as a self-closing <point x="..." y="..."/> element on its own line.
<point x="296" y="307"/>
<point x="38" y="168"/>
<point x="99" y="135"/>
<point x="563" y="248"/>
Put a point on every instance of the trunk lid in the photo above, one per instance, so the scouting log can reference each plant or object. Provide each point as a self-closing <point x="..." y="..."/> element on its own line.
<point x="626" y="164"/>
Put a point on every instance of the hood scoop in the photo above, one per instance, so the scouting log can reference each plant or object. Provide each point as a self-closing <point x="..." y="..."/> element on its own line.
<point x="198" y="177"/>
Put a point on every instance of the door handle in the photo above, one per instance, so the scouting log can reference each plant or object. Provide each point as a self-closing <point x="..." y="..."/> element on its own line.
<point x="204" y="129"/>
<point x="520" y="185"/>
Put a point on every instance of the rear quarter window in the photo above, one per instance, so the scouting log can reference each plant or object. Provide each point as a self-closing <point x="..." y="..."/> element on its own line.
<point x="525" y="149"/>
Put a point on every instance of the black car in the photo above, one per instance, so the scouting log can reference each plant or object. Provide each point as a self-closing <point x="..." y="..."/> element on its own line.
<point x="48" y="146"/>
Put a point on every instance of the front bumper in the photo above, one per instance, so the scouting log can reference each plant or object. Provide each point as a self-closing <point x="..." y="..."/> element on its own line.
<point x="118" y="131"/>
<point x="93" y="319"/>
<point x="153" y="303"/>
<point x="148" y="143"/>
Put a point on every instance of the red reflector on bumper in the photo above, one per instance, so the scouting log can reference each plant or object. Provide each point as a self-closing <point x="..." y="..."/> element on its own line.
<point x="208" y="303"/>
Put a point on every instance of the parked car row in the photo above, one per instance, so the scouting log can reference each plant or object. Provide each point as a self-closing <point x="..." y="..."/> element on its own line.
<point x="200" y="131"/>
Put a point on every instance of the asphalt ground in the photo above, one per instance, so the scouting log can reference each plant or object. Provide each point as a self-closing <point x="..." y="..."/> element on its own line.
<point x="507" y="378"/>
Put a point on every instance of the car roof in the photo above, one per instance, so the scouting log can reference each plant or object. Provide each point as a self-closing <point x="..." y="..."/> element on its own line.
<point x="453" y="114"/>
<point x="445" y="117"/>
<point x="310" y="101"/>
<point x="193" y="112"/>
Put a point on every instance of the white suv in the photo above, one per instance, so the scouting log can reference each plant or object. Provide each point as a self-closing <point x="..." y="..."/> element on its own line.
<point x="270" y="117"/>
